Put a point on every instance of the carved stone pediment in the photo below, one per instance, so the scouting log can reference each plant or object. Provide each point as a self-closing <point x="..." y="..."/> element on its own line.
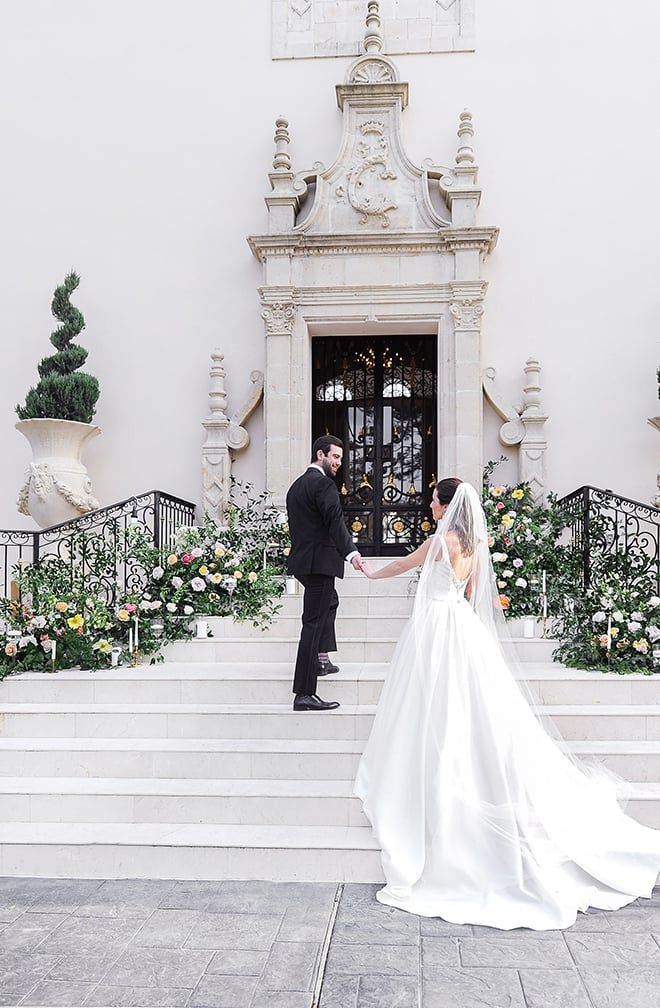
<point x="372" y="183"/>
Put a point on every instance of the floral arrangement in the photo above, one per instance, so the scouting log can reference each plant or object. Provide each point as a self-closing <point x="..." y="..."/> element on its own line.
<point x="524" y="540"/>
<point x="614" y="625"/>
<point x="69" y="614"/>
<point x="234" y="569"/>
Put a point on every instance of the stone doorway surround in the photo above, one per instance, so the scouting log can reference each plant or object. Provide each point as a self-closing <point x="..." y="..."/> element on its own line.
<point x="372" y="245"/>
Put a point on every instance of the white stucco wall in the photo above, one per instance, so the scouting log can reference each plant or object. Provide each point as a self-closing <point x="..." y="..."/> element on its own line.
<point x="136" y="142"/>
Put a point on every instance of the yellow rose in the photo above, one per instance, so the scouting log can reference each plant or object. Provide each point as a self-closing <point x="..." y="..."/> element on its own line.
<point x="103" y="645"/>
<point x="75" y="621"/>
<point x="238" y="575"/>
<point x="219" y="551"/>
<point x="507" y="521"/>
<point x="10" y="650"/>
<point x="287" y="550"/>
<point x="491" y="541"/>
<point x="61" y="606"/>
<point x="123" y="615"/>
<point x="252" y="577"/>
<point x="203" y="570"/>
<point x="172" y="559"/>
<point x="518" y="494"/>
<point x="216" y="578"/>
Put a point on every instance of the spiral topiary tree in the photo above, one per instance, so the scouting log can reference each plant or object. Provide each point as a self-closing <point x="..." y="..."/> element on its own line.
<point x="63" y="393"/>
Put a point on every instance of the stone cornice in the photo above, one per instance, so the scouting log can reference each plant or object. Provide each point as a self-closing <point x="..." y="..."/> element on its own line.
<point x="481" y="239"/>
<point x="361" y="295"/>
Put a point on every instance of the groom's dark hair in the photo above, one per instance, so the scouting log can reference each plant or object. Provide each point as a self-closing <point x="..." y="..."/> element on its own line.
<point x="324" y="444"/>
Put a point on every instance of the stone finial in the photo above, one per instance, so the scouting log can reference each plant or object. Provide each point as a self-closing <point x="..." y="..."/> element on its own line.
<point x="281" y="161"/>
<point x="373" y="38"/>
<point x="217" y="394"/>
<point x="465" y="152"/>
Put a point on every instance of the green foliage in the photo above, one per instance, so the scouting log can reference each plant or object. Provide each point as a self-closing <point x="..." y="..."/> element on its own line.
<point x="614" y="625"/>
<point x="62" y="393"/>
<point x="525" y="541"/>
<point x="234" y="569"/>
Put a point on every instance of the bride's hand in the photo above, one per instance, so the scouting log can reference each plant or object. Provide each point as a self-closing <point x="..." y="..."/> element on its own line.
<point x="367" y="570"/>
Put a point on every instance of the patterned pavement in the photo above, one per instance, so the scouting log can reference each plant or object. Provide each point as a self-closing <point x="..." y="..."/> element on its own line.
<point x="297" y="944"/>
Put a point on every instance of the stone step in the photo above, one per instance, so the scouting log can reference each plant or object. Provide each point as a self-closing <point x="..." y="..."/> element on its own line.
<point x="247" y="682"/>
<point x="268" y="647"/>
<point x="366" y="626"/>
<point x="189" y="851"/>
<point x="184" y="721"/>
<point x="252" y="802"/>
<point x="300" y="759"/>
<point x="574" y="721"/>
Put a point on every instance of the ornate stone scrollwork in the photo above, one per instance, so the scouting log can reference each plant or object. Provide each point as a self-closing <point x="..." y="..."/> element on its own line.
<point x="237" y="436"/>
<point x="278" y="318"/>
<point x="366" y="193"/>
<point x="224" y="436"/>
<point x="372" y="71"/>
<point x="523" y="425"/>
<point x="467" y="313"/>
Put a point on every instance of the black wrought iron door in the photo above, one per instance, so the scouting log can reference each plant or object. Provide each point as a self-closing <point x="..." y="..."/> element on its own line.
<point x="378" y="394"/>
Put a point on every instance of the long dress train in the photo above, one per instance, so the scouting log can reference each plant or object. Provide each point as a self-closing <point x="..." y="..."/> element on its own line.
<point x="480" y="816"/>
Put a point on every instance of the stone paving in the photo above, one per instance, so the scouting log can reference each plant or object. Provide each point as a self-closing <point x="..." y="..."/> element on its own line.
<point x="259" y="944"/>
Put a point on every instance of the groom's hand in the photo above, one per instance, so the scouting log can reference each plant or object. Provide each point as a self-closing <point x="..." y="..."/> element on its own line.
<point x="357" y="562"/>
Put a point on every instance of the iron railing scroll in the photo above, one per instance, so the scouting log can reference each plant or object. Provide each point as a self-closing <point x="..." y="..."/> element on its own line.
<point x="94" y="542"/>
<point x="605" y="527"/>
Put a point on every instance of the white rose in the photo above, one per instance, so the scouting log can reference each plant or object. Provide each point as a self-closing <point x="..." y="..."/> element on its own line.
<point x="517" y="562"/>
<point x="598" y="617"/>
<point x="653" y="601"/>
<point x="499" y="557"/>
<point x="634" y="626"/>
<point x="653" y="633"/>
<point x="521" y="583"/>
<point x="617" y="616"/>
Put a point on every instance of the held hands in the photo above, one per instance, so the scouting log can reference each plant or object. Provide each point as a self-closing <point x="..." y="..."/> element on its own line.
<point x="359" y="563"/>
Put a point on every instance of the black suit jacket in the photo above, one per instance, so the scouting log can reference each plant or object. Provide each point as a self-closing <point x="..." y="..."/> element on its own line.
<point x="320" y="541"/>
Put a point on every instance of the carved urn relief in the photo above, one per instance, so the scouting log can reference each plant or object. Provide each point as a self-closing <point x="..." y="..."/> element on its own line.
<point x="57" y="486"/>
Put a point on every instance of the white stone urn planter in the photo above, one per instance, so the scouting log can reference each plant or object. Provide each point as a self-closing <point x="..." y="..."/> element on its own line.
<point x="57" y="485"/>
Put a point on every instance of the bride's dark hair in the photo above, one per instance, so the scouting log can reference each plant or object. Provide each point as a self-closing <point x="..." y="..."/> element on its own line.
<point x="446" y="488"/>
<point x="445" y="491"/>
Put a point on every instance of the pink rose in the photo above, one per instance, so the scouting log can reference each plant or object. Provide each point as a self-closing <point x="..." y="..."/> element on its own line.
<point x="187" y="558"/>
<point x="500" y="505"/>
<point x="130" y="607"/>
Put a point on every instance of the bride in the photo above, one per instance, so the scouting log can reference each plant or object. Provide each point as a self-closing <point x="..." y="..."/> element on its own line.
<point x="483" y="817"/>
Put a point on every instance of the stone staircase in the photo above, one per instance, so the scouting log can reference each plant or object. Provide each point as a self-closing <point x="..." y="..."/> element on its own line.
<point x="198" y="767"/>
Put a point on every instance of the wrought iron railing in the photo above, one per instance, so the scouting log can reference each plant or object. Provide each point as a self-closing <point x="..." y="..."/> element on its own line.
<point x="83" y="540"/>
<point x="604" y="525"/>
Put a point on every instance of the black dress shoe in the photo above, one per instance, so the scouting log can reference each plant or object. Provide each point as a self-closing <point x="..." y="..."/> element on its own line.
<point x="302" y="702"/>
<point x="325" y="668"/>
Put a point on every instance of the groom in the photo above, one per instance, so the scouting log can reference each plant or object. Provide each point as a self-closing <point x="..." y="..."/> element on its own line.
<point x="320" y="544"/>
